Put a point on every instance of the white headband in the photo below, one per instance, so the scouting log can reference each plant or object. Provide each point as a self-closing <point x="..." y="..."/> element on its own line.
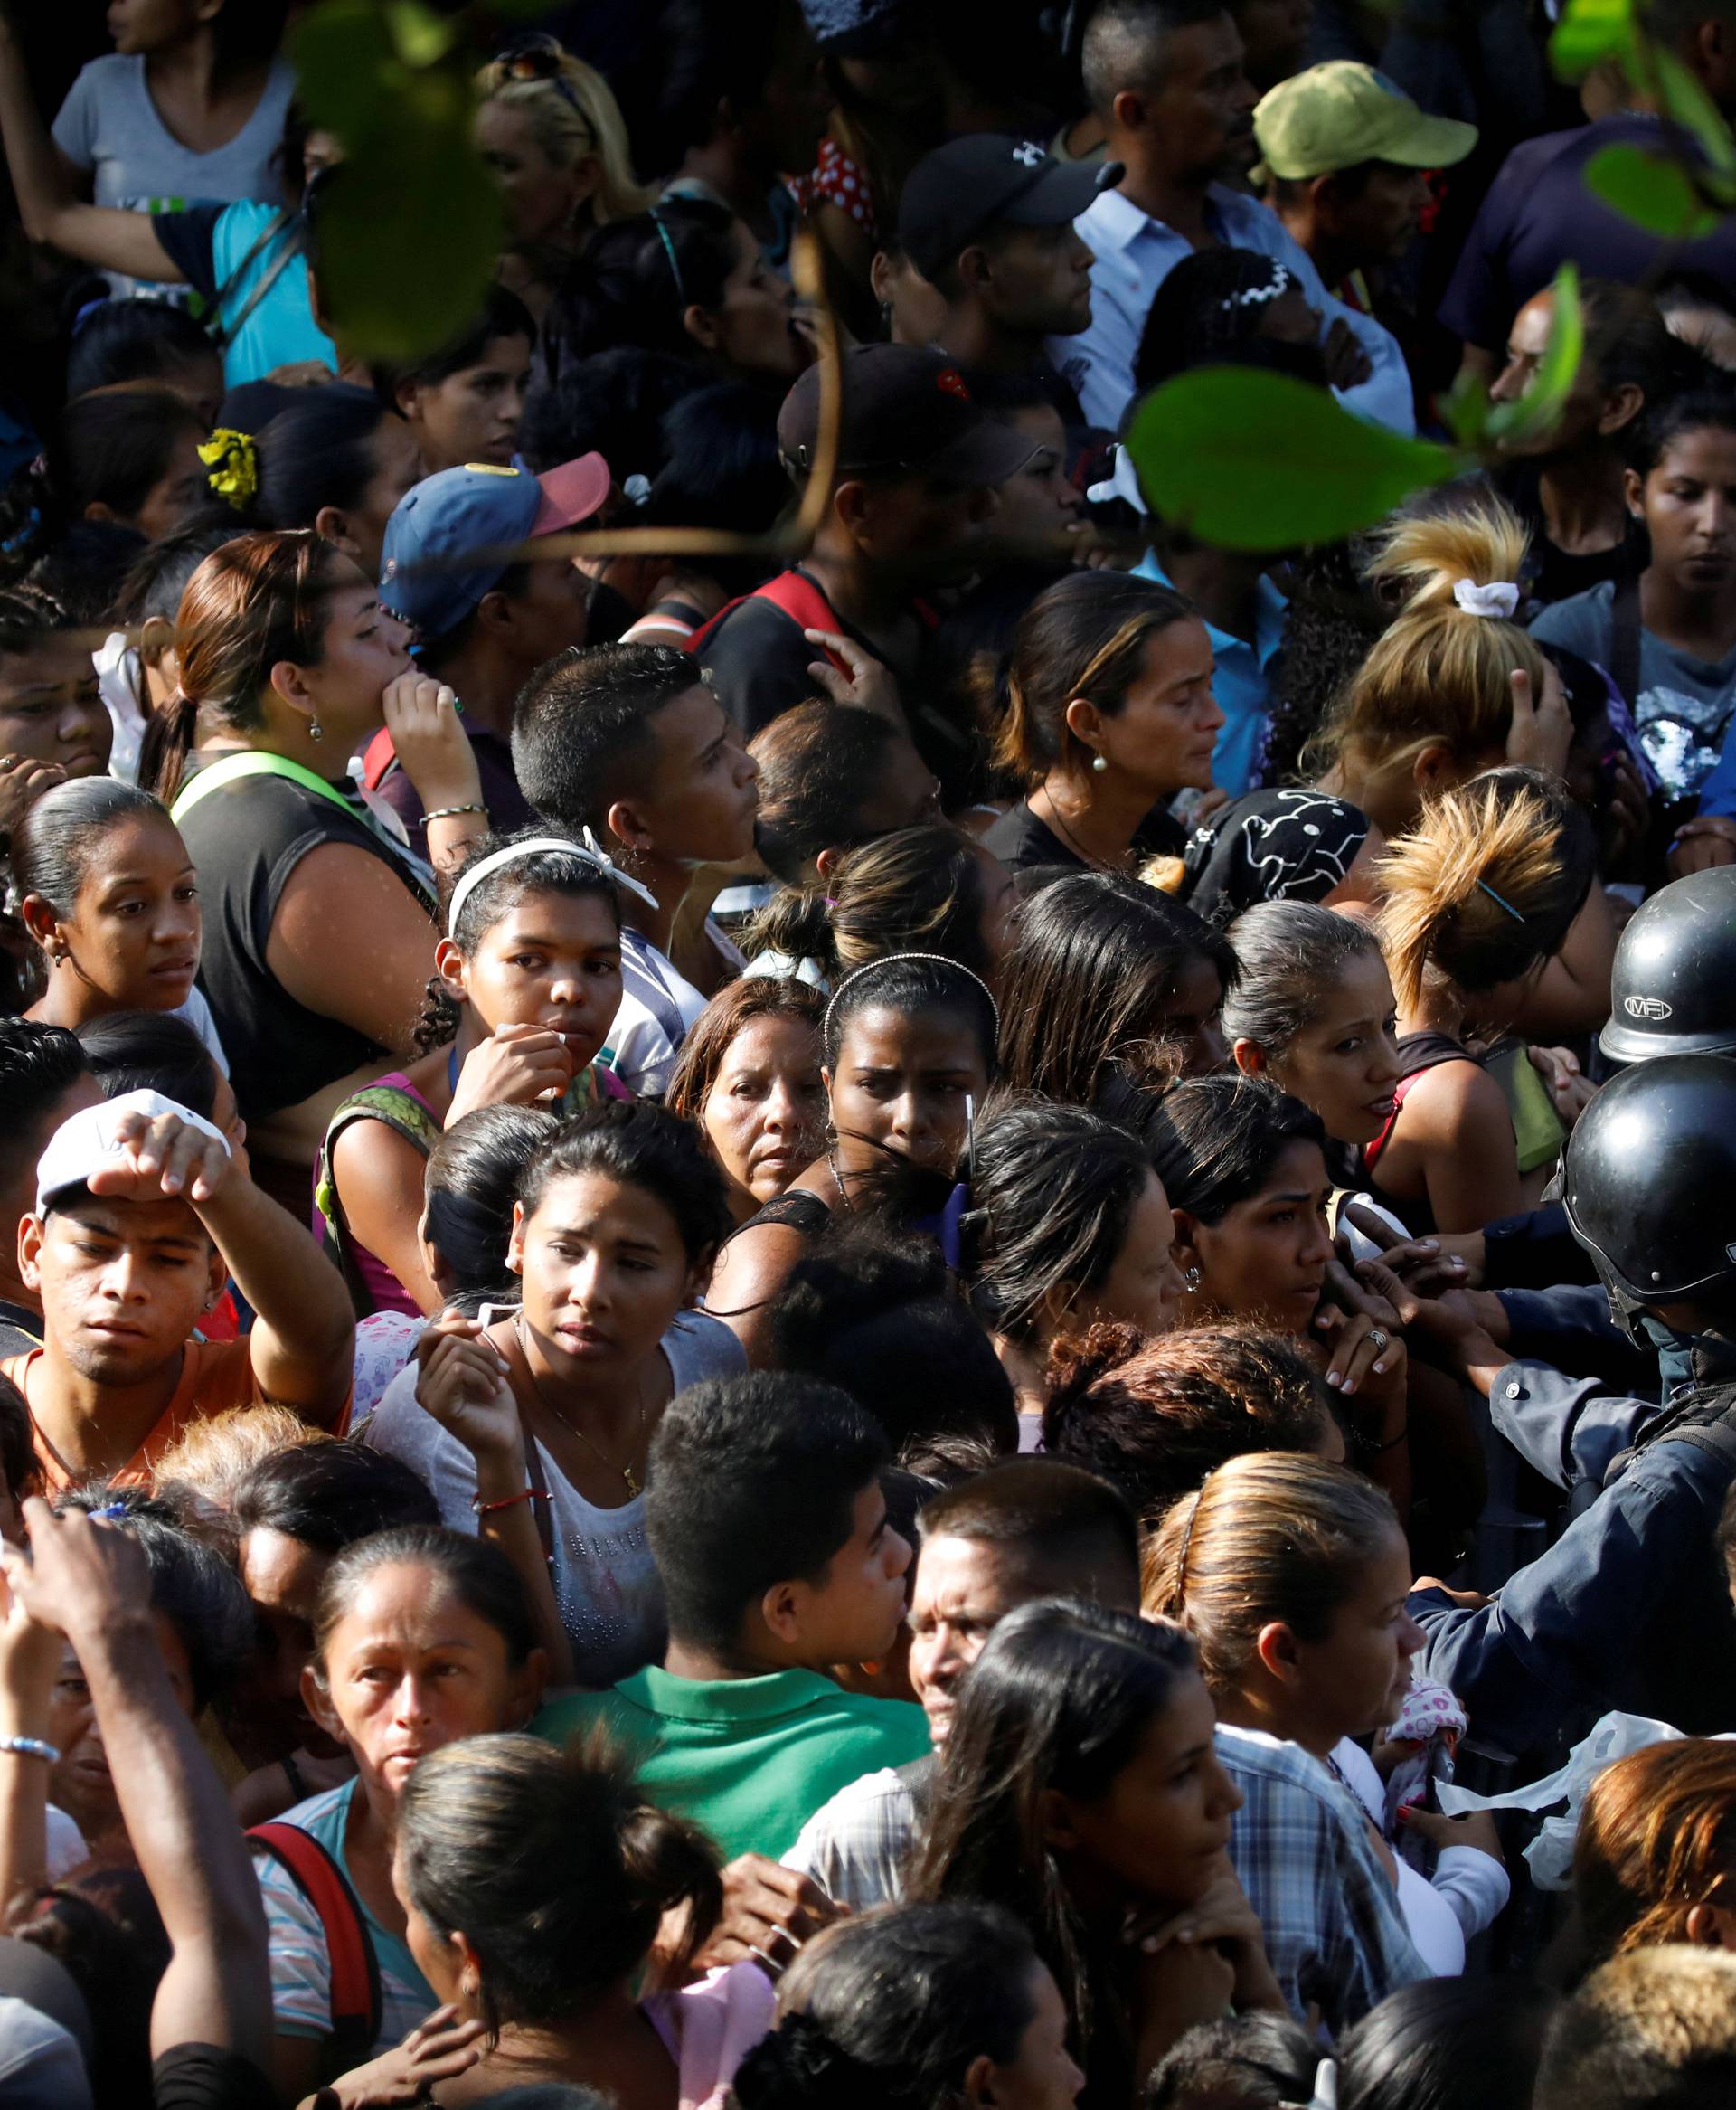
<point x="1279" y="282"/>
<point x="587" y="850"/>
<point x="891" y="959"/>
<point x="1499" y="599"/>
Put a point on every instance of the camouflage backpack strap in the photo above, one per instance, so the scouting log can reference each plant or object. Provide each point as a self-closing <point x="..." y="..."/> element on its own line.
<point x="400" y="1110"/>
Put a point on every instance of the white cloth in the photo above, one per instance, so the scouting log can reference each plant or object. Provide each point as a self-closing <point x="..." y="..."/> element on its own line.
<point x="657" y="1007"/>
<point x="41" y="2068"/>
<point x="1469" y="1886"/>
<point x="605" y="1579"/>
<point x="1135" y="254"/>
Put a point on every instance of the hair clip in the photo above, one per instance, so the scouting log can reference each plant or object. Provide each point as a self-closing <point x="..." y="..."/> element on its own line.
<point x="1499" y="901"/>
<point x="1499" y="599"/>
<point x="674" y="262"/>
<point x="1257" y="296"/>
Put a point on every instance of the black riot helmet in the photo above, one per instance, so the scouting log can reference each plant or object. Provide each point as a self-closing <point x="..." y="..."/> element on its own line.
<point x="1673" y="987"/>
<point x="1651" y="1182"/>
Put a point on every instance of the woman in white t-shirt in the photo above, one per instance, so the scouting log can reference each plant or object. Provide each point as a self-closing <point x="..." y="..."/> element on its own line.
<point x="537" y="1427"/>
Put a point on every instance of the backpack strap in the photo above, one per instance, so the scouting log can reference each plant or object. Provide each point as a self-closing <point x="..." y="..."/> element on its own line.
<point x="379" y="759"/>
<point x="356" y="2003"/>
<point x="795" y="594"/>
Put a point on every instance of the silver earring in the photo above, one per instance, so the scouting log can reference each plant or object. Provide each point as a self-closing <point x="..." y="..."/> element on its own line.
<point x="1191" y="1281"/>
<point x="1098" y="764"/>
<point x="315" y="731"/>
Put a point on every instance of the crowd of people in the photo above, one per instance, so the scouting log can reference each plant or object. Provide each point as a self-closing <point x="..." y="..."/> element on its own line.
<point x="813" y="1324"/>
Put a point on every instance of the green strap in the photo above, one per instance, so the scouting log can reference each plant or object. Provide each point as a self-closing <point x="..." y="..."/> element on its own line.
<point x="253" y="762"/>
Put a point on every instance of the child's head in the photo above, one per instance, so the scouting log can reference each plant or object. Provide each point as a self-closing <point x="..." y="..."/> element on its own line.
<point x="534" y="939"/>
<point x="629" y="741"/>
<point x="909" y="1046"/>
<point x="769" y="1525"/>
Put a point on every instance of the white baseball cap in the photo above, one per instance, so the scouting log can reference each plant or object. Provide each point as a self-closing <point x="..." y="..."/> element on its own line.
<point x="91" y="1139"/>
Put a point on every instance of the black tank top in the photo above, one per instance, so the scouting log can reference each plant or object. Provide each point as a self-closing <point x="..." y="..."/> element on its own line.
<point x="246" y="837"/>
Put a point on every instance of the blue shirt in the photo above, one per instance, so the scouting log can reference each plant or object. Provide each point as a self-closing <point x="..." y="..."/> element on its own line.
<point x="1238" y="681"/>
<point x="1134" y="254"/>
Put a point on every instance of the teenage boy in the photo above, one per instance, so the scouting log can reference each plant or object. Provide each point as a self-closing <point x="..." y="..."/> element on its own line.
<point x="628" y="742"/>
<point x="140" y="1216"/>
<point x="988" y="222"/>
<point x="484" y="625"/>
<point x="770" y="1534"/>
<point x="44" y="1080"/>
<point x="911" y="495"/>
<point x="1167" y="78"/>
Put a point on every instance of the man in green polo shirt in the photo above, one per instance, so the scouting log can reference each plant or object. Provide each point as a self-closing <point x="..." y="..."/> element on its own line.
<point x="769" y="1532"/>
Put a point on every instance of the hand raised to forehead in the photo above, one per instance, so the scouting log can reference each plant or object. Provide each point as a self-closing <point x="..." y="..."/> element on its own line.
<point x="165" y="1158"/>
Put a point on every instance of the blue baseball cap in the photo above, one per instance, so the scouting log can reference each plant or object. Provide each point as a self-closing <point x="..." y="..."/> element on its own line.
<point x="437" y="523"/>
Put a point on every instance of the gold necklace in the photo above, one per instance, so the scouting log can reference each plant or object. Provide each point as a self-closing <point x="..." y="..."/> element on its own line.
<point x="635" y="1486"/>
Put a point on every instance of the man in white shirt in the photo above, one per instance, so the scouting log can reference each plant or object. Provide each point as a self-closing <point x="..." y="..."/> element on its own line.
<point x="1167" y="78"/>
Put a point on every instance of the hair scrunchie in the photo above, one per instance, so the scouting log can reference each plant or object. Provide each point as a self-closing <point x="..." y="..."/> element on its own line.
<point x="232" y="462"/>
<point x="1500" y="600"/>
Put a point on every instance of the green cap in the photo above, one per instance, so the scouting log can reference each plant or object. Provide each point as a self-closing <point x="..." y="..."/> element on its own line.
<point x="1334" y="116"/>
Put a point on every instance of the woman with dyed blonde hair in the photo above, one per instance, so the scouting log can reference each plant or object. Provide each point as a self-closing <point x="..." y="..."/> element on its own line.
<point x="1455" y="686"/>
<point x="1479" y="898"/>
<point x="1655" y="1857"/>
<point x="550" y="128"/>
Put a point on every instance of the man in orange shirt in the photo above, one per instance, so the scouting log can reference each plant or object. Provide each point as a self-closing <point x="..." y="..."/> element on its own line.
<point x="141" y="1214"/>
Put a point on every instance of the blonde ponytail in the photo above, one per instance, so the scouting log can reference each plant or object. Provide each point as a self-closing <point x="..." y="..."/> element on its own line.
<point x="1487" y="883"/>
<point x="1442" y="676"/>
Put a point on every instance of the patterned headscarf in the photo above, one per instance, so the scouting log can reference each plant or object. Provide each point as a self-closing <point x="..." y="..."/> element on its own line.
<point x="1270" y="845"/>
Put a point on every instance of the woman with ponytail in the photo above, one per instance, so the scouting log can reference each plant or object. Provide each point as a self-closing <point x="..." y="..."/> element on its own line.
<point x="533" y="1881"/>
<point x="931" y="889"/>
<point x="549" y="128"/>
<point x="1292" y="1576"/>
<point x="1455" y="686"/>
<point x="922" y="2006"/>
<point x="316" y="918"/>
<point x="1109" y="713"/>
<point x="1479" y="899"/>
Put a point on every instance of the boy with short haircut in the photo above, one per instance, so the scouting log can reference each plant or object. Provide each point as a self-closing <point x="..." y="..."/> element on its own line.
<point x="44" y="1078"/>
<point x="628" y="742"/>
<point x="141" y="1215"/>
<point x="770" y="1534"/>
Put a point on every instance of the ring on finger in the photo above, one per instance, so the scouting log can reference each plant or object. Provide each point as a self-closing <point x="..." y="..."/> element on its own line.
<point x="1378" y="1339"/>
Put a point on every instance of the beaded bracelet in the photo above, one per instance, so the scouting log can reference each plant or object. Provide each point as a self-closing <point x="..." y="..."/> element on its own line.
<point x="30" y="1747"/>
<point x="450" y="812"/>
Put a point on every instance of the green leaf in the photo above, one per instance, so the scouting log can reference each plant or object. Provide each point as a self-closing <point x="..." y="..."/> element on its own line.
<point x="1466" y="410"/>
<point x="344" y="57"/>
<point x="1651" y="190"/>
<point x="1538" y="409"/>
<point x="1588" y="31"/>
<point x="409" y="243"/>
<point x="1687" y="102"/>
<point x="419" y="37"/>
<point x="1251" y="460"/>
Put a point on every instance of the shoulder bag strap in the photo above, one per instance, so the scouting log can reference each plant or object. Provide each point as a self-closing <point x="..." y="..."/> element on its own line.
<point x="356" y="2003"/>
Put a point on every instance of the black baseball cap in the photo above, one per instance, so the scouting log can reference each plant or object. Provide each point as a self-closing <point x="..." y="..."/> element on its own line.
<point x="970" y="183"/>
<point x="907" y="409"/>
